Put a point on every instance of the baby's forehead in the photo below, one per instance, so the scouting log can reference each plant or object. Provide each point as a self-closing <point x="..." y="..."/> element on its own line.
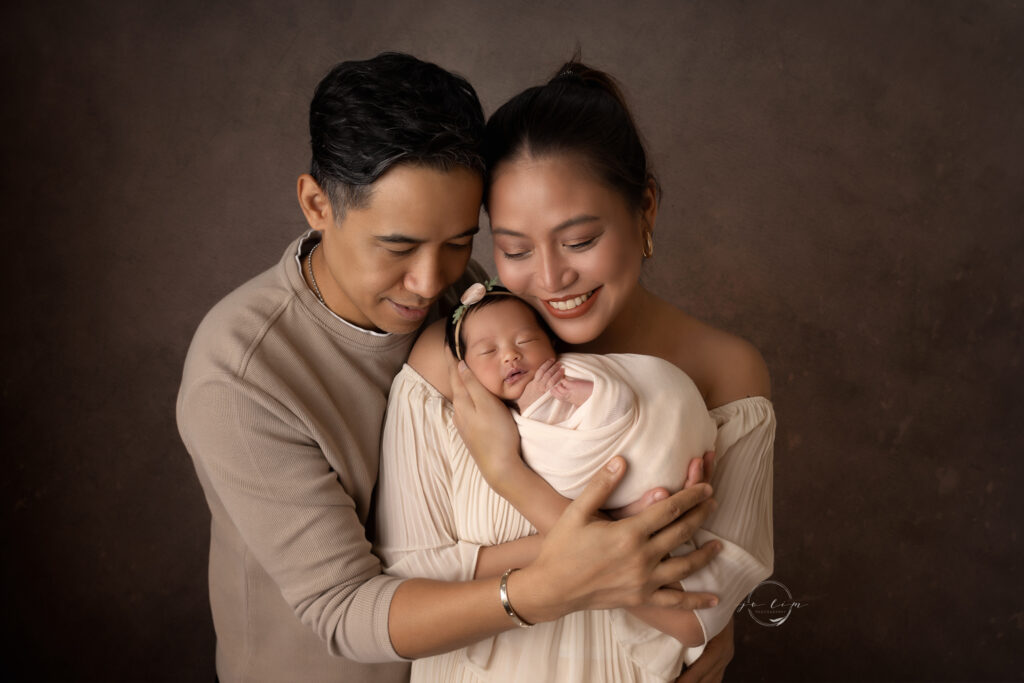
<point x="495" y="318"/>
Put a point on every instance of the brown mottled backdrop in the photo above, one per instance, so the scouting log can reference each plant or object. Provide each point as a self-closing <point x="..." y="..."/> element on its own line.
<point x="843" y="186"/>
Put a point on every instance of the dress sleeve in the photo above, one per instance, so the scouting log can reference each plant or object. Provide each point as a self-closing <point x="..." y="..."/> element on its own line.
<point x="416" y="530"/>
<point x="742" y="482"/>
<point x="259" y="464"/>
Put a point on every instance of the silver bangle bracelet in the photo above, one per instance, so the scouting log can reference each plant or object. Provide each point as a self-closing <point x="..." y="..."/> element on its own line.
<point x="503" y="594"/>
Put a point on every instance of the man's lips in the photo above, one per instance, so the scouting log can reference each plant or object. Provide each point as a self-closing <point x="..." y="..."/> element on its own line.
<point x="409" y="312"/>
<point x="571" y="306"/>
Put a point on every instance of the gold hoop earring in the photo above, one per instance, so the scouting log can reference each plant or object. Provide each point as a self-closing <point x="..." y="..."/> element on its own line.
<point x="648" y="248"/>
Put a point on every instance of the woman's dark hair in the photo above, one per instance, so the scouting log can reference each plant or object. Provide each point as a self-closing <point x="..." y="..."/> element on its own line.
<point x="581" y="112"/>
<point x="495" y="295"/>
<point x="367" y="116"/>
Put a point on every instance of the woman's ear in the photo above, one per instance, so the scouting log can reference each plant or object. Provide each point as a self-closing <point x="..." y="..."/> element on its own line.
<point x="314" y="202"/>
<point x="648" y="213"/>
<point x="649" y="203"/>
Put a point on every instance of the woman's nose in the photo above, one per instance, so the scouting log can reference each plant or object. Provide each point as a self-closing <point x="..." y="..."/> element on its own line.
<point x="555" y="274"/>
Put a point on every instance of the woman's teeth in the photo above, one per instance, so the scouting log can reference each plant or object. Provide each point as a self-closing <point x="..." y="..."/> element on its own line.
<point x="570" y="304"/>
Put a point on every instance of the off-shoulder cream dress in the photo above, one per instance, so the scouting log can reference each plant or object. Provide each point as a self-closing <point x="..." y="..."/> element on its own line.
<point x="435" y="511"/>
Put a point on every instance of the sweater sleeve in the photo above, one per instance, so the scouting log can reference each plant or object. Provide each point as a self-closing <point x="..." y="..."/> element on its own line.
<point x="742" y="481"/>
<point x="416" y="529"/>
<point x="261" y="465"/>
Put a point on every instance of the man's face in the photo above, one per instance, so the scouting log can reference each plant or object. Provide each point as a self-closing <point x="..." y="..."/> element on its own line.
<point x="388" y="262"/>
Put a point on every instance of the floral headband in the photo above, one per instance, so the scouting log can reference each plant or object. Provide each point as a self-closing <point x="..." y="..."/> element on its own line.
<point x="472" y="296"/>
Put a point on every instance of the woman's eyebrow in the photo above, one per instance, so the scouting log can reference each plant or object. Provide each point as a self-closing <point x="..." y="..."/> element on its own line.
<point x="399" y="238"/>
<point x="585" y="218"/>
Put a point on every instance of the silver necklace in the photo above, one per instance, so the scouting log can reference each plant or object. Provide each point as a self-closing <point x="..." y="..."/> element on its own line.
<point x="312" y="278"/>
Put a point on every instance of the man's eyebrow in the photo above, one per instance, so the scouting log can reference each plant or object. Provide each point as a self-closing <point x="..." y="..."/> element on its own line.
<point x="399" y="238"/>
<point x="585" y="218"/>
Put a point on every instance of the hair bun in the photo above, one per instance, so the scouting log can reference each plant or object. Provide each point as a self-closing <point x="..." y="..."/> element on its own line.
<point x="572" y="70"/>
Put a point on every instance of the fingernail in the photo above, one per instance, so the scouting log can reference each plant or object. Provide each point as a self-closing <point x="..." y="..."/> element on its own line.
<point x="659" y="495"/>
<point x="614" y="465"/>
<point x="713" y="601"/>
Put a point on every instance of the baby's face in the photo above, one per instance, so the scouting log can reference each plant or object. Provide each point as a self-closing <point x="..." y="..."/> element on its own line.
<point x="505" y="346"/>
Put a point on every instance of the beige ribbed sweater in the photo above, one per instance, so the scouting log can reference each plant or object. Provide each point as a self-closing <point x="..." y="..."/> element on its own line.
<point x="281" y="407"/>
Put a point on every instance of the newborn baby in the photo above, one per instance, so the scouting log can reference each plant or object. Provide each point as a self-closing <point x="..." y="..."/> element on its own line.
<point x="576" y="411"/>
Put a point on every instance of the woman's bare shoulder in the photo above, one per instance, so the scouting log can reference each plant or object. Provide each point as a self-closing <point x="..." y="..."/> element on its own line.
<point x="724" y="366"/>
<point x="430" y="360"/>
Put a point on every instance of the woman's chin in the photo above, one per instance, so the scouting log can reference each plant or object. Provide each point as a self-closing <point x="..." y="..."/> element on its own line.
<point x="574" y="331"/>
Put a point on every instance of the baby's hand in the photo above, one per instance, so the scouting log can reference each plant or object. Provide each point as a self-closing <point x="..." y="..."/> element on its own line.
<point x="575" y="391"/>
<point x="548" y="375"/>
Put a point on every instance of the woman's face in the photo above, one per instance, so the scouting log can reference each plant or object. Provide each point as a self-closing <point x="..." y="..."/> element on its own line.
<point x="566" y="242"/>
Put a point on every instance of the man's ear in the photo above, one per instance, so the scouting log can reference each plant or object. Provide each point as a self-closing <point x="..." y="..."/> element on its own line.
<point x="315" y="204"/>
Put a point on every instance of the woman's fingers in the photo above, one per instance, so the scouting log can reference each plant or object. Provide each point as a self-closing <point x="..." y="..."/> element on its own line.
<point x="694" y="472"/>
<point x="669" y="597"/>
<point x="649" y="498"/>
<point x="709" y="465"/>
<point x="460" y="395"/>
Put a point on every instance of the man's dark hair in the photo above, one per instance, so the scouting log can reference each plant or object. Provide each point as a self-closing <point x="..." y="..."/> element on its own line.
<point x="366" y="116"/>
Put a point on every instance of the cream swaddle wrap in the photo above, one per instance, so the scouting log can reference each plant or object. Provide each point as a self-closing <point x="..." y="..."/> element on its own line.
<point x="642" y="408"/>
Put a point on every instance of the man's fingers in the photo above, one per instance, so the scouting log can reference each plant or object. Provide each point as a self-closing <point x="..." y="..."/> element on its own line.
<point x="674" y="569"/>
<point x="597" y="491"/>
<point x="663" y="513"/>
<point x="680" y="531"/>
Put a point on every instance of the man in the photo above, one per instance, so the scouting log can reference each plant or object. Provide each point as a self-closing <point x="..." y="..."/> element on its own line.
<point x="285" y="387"/>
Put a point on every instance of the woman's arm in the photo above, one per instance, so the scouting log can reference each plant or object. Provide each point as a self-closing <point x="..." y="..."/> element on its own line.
<point x="584" y="563"/>
<point x="485" y="425"/>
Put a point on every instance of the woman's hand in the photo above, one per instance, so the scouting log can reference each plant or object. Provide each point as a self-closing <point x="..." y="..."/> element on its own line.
<point x="485" y="425"/>
<point x="710" y="666"/>
<point x="587" y="562"/>
<point x="492" y="438"/>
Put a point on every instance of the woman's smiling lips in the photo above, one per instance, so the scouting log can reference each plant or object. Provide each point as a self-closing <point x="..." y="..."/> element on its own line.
<point x="571" y="306"/>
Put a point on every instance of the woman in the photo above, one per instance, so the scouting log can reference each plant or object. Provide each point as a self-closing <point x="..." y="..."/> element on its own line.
<point x="572" y="206"/>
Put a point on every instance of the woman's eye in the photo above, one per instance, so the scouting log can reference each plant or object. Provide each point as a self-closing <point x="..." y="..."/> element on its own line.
<point x="516" y="255"/>
<point x="579" y="246"/>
